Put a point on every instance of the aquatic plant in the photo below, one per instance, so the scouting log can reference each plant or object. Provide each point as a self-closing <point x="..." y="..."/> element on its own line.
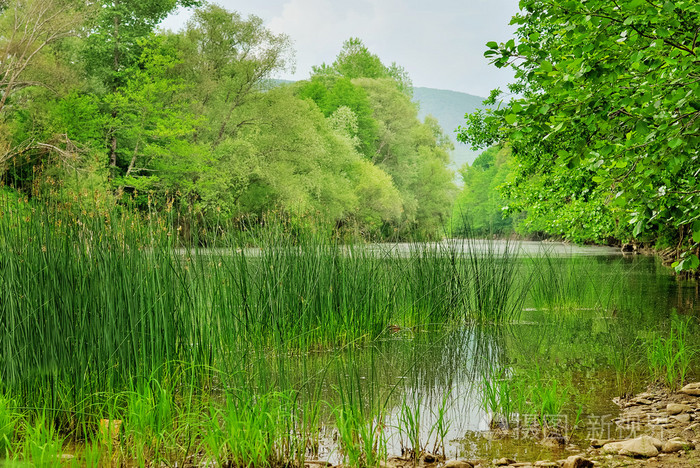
<point x="669" y="355"/>
<point x="496" y="289"/>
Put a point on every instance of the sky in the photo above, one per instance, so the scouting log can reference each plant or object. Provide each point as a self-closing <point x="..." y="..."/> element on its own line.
<point x="440" y="43"/>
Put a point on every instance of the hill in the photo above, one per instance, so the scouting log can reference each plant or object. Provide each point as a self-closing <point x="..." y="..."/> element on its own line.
<point x="449" y="107"/>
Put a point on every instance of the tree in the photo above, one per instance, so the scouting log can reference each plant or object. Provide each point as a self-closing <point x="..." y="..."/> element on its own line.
<point x="330" y="93"/>
<point x="229" y="58"/>
<point x="414" y="154"/>
<point x="356" y="61"/>
<point x="608" y="114"/>
<point x="480" y="205"/>
<point x="27" y="30"/>
<point x="114" y="40"/>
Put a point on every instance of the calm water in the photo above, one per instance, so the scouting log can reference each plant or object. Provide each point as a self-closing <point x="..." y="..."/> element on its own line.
<point x="583" y="325"/>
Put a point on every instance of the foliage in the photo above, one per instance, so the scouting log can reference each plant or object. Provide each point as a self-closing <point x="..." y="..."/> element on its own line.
<point x="605" y="128"/>
<point x="103" y="102"/>
<point x="331" y="94"/>
<point x="414" y="154"/>
<point x="356" y="61"/>
<point x="479" y="207"/>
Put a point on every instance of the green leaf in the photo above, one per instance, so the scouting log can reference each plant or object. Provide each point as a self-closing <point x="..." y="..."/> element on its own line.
<point x="638" y="228"/>
<point x="675" y="143"/>
<point x="511" y="118"/>
<point x="492" y="45"/>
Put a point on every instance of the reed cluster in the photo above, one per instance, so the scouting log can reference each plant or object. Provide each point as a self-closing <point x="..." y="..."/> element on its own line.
<point x="107" y="314"/>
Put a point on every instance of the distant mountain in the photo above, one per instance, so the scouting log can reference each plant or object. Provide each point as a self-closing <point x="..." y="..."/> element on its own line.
<point x="449" y="107"/>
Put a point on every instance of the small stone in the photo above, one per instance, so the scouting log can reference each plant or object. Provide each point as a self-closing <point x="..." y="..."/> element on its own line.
<point x="457" y="464"/>
<point x="429" y="458"/>
<point x="675" y="408"/>
<point x="521" y="464"/>
<point x="66" y="456"/>
<point x="553" y="442"/>
<point x="546" y="464"/>
<point x="503" y="461"/>
<point x="674" y="445"/>
<point x="642" y="401"/>
<point x="577" y="461"/>
<point x="681" y="418"/>
<point x="691" y="389"/>
<point x="660" y="421"/>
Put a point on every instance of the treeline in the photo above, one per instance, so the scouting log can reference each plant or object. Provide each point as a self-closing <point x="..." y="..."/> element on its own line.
<point x="481" y="207"/>
<point x="97" y="102"/>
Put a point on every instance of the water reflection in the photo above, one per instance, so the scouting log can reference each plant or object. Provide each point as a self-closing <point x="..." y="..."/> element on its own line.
<point x="583" y="324"/>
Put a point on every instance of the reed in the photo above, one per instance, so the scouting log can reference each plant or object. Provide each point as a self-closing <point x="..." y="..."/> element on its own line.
<point x="497" y="290"/>
<point x="669" y="355"/>
<point x="110" y="314"/>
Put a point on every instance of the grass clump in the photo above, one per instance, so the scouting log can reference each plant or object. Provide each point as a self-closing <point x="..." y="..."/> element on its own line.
<point x="669" y="355"/>
<point x="527" y="400"/>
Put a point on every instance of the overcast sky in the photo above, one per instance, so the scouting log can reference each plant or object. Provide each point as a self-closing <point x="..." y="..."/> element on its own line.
<point x="439" y="42"/>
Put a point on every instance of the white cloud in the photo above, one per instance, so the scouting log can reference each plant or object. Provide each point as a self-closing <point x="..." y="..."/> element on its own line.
<point x="439" y="42"/>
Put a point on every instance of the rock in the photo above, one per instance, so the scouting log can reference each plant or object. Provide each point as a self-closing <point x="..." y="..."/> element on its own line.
<point x="577" y="461"/>
<point x="660" y="421"/>
<point x="643" y="446"/>
<point x="318" y="464"/>
<point x="681" y="418"/>
<point x="691" y="389"/>
<point x="674" y="445"/>
<point x="553" y="442"/>
<point x="457" y="464"/>
<point x="521" y="465"/>
<point x="546" y="464"/>
<point x="429" y="458"/>
<point x="66" y="456"/>
<point x="692" y="427"/>
<point x="676" y="408"/>
<point x="503" y="461"/>
<point x="598" y="443"/>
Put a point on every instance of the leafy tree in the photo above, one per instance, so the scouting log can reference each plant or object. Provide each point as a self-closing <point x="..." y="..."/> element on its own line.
<point x="479" y="207"/>
<point x="608" y="115"/>
<point x="331" y="93"/>
<point x="293" y="160"/>
<point x="28" y="30"/>
<point x="414" y="154"/>
<point x="356" y="61"/>
<point x="113" y="46"/>
<point x="228" y="58"/>
<point x="113" y="39"/>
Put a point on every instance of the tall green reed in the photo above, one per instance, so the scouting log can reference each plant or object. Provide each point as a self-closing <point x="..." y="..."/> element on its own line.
<point x="111" y="313"/>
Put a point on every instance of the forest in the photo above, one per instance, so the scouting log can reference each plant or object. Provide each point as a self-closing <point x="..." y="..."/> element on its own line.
<point x="97" y="100"/>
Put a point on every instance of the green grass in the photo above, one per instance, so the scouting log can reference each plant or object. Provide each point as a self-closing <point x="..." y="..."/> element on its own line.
<point x="669" y="355"/>
<point x="200" y="346"/>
